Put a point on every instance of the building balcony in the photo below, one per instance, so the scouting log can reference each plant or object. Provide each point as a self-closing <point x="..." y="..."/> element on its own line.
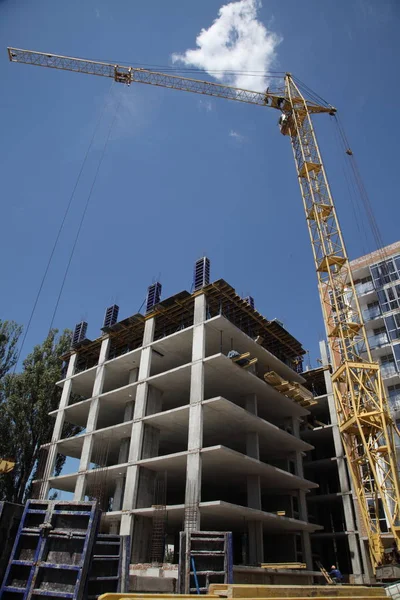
<point x="371" y="313"/>
<point x="389" y="370"/>
<point x="364" y="288"/>
<point x="394" y="404"/>
<point x="378" y="341"/>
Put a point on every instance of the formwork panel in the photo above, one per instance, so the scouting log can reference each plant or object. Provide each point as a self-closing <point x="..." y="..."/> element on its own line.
<point x="10" y="517"/>
<point x="52" y="551"/>
<point x="109" y="569"/>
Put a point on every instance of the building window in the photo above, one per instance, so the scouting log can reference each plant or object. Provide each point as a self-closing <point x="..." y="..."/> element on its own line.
<point x="396" y="350"/>
<point x="386" y="271"/>
<point x="389" y="298"/>
<point x="394" y="396"/>
<point x="379" y="338"/>
<point x="372" y="311"/>
<point x="393" y="326"/>
<point x="388" y="365"/>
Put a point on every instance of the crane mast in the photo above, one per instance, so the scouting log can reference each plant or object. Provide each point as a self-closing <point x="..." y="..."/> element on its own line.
<point x="366" y="427"/>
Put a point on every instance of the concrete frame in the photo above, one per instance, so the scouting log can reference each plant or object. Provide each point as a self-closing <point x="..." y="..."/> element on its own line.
<point x="131" y="479"/>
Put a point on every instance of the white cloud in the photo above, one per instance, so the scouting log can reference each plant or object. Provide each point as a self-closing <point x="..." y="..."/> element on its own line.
<point x="236" y="135"/>
<point x="236" y="41"/>
<point x="97" y="13"/>
<point x="205" y="105"/>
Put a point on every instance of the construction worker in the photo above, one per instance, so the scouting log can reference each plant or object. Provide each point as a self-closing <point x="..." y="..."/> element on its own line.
<point x="336" y="575"/>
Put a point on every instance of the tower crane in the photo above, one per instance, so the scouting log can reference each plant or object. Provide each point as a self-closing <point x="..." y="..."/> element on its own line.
<point x="366" y="427"/>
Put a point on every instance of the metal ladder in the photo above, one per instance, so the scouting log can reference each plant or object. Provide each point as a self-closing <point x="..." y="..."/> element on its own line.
<point x="205" y="557"/>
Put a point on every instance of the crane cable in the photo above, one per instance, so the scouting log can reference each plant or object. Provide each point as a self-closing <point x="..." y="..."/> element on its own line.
<point x="61" y="227"/>
<point x="84" y="213"/>
<point x="363" y="194"/>
<point x="366" y="204"/>
<point x="358" y="213"/>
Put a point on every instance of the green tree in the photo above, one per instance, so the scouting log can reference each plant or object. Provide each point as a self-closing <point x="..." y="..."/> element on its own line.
<point x="9" y="335"/>
<point x="26" y="399"/>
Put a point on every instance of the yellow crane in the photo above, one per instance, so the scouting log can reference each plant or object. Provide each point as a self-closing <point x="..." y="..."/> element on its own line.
<point x="366" y="427"/>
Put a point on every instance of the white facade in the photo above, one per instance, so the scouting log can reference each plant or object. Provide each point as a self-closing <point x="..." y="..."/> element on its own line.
<point x="377" y="281"/>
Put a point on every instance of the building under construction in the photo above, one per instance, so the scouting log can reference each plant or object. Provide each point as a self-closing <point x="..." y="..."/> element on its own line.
<point x="190" y="419"/>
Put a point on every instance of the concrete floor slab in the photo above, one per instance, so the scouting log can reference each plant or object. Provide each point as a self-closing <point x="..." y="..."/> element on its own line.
<point x="226" y="423"/>
<point x="77" y="413"/>
<point x="107" y="439"/>
<point x="104" y="477"/>
<point x="317" y="435"/>
<point x="221" y="463"/>
<point x="82" y="383"/>
<point x="231" y="517"/>
<point x="224" y="377"/>
<point x="117" y="369"/>
<point x="112" y="407"/>
<point x="172" y="351"/>
<point x="222" y="336"/>
<point x="124" y="362"/>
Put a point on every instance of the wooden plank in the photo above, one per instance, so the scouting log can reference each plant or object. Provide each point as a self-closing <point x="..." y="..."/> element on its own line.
<point x="282" y="565"/>
<point x="295" y="591"/>
<point x="150" y="596"/>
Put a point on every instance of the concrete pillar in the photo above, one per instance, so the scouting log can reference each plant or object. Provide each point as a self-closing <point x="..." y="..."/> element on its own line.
<point x="136" y="441"/>
<point x="195" y="435"/>
<point x="86" y="454"/>
<point x="118" y="493"/>
<point x="133" y="375"/>
<point x="151" y="442"/>
<point x="344" y="481"/>
<point x="255" y="528"/>
<point x="58" y="427"/>
<point x="124" y="450"/>
<point x="303" y="512"/>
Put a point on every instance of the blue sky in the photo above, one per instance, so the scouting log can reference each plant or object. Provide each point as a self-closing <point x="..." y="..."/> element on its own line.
<point x="182" y="177"/>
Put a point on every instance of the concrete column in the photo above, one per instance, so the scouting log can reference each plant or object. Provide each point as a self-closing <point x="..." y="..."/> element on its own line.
<point x="195" y="435"/>
<point x="86" y="454"/>
<point x="255" y="528"/>
<point x="136" y="441"/>
<point x="344" y="481"/>
<point x="118" y="493"/>
<point x="58" y="427"/>
<point x="303" y="512"/>
<point x="124" y="450"/>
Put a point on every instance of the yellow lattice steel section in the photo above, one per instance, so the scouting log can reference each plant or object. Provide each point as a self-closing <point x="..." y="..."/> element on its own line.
<point x="366" y="426"/>
<point x="363" y="412"/>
